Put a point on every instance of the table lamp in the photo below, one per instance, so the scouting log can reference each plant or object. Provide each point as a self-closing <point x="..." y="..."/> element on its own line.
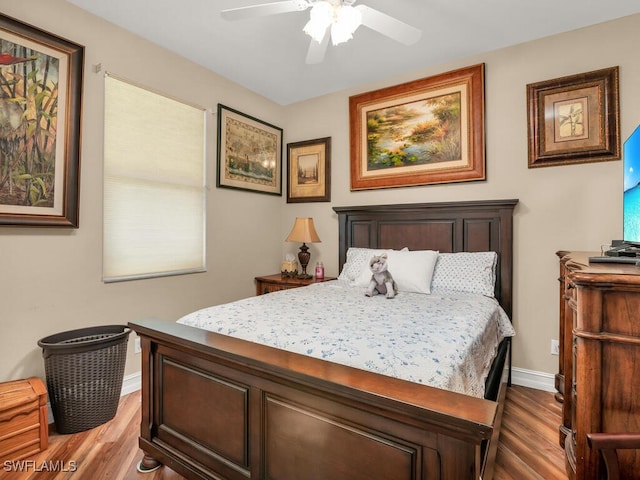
<point x="303" y="231"/>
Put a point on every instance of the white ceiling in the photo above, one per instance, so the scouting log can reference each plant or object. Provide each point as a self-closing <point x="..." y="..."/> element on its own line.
<point x="267" y="54"/>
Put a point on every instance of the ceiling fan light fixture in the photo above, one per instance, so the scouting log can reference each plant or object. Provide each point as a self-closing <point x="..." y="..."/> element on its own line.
<point x="335" y="20"/>
<point x="321" y="16"/>
<point x="346" y="21"/>
<point x="343" y="20"/>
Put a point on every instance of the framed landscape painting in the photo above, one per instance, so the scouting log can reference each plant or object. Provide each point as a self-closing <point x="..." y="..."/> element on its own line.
<point x="422" y="132"/>
<point x="40" y="118"/>
<point x="249" y="153"/>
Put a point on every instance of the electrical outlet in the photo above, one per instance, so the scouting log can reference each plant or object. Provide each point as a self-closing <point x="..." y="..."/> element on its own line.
<point x="136" y="345"/>
<point x="555" y="347"/>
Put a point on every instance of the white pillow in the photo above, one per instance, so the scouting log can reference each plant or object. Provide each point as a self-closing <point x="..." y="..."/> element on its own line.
<point x="473" y="272"/>
<point x="358" y="261"/>
<point x="412" y="270"/>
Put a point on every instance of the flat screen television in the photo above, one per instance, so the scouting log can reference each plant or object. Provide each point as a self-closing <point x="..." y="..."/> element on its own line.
<point x="631" y="196"/>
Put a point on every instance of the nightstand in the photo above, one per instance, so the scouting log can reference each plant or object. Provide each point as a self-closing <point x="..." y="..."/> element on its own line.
<point x="273" y="283"/>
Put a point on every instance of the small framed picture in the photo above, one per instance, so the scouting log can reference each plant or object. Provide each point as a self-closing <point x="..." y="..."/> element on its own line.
<point x="574" y="119"/>
<point x="249" y="153"/>
<point x="309" y="171"/>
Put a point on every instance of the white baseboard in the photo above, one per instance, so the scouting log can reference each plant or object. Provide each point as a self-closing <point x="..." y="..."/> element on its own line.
<point x="131" y="383"/>
<point x="532" y="379"/>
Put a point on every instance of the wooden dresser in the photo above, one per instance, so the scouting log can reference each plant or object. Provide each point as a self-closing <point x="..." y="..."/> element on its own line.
<point x="599" y="363"/>
<point x="24" y="429"/>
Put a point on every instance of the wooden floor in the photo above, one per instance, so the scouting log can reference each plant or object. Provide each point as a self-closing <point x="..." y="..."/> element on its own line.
<point x="528" y="446"/>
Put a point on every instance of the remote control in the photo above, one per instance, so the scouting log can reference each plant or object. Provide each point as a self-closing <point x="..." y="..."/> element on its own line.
<point x="628" y="260"/>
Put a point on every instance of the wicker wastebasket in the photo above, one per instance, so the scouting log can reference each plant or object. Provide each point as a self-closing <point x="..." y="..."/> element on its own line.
<point x="84" y="370"/>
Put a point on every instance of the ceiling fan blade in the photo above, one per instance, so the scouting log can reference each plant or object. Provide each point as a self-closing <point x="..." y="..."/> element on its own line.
<point x="264" y="9"/>
<point x="317" y="50"/>
<point x="389" y="26"/>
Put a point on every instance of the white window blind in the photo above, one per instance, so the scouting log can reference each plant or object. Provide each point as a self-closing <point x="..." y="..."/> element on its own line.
<point x="154" y="184"/>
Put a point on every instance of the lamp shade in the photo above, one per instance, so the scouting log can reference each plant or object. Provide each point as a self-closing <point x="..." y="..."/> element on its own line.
<point x="303" y="231"/>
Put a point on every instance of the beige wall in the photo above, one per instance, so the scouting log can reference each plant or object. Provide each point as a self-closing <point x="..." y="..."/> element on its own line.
<point x="576" y="207"/>
<point x="50" y="279"/>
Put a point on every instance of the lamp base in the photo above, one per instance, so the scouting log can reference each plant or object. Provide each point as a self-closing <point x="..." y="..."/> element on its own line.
<point x="304" y="276"/>
<point x="303" y="257"/>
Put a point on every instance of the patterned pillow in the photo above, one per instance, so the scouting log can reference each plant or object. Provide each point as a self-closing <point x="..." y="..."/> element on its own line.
<point x="473" y="272"/>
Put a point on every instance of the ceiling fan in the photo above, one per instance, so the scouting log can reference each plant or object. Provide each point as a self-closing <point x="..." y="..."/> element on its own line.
<point x="331" y="19"/>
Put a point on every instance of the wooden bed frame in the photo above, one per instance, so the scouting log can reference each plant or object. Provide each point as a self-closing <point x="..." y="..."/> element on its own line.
<point x="215" y="407"/>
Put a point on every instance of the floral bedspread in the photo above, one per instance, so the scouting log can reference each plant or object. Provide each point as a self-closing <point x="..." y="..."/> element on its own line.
<point x="446" y="340"/>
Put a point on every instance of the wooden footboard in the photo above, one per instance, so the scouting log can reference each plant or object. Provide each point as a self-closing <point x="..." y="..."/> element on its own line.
<point x="222" y="408"/>
<point x="215" y="407"/>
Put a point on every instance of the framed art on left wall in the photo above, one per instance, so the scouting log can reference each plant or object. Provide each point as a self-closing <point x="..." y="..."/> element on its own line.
<point x="41" y="106"/>
<point x="249" y="153"/>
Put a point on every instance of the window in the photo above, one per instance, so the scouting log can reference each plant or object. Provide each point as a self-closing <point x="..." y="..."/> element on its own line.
<point x="154" y="192"/>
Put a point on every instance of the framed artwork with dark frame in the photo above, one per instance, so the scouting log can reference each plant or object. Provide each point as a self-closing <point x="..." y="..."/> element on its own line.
<point x="574" y="119"/>
<point x="41" y="104"/>
<point x="309" y="171"/>
<point x="249" y="153"/>
<point x="422" y="132"/>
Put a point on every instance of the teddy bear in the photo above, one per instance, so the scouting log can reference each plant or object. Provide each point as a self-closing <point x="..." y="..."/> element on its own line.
<point x="381" y="280"/>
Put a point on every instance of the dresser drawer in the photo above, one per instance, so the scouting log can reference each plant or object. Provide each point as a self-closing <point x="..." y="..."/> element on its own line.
<point x="272" y="287"/>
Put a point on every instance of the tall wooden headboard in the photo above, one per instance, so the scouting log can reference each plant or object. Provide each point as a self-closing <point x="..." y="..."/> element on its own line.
<point x="474" y="226"/>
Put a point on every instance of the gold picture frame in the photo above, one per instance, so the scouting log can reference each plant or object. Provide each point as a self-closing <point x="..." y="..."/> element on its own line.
<point x="249" y="153"/>
<point x="41" y="83"/>
<point x="309" y="171"/>
<point x="574" y="119"/>
<point x="422" y="132"/>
